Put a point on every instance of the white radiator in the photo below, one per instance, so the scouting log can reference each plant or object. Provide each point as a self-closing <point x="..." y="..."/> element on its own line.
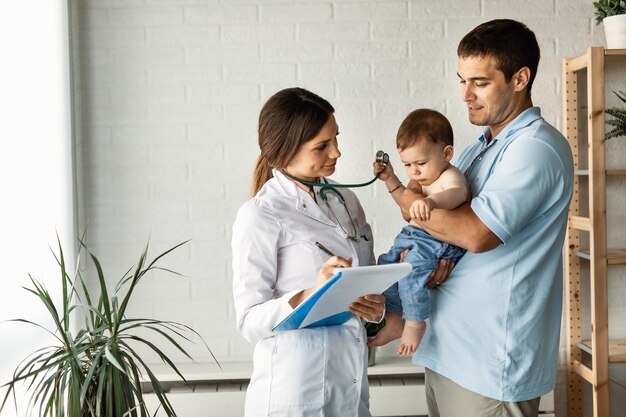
<point x="396" y="389"/>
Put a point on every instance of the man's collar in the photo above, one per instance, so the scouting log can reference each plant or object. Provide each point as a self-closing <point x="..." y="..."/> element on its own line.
<point x="522" y="120"/>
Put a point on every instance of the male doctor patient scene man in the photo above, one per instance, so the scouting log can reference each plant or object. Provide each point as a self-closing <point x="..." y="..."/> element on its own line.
<point x="491" y="345"/>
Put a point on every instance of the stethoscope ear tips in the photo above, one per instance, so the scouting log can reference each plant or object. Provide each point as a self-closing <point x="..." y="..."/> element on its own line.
<point x="383" y="157"/>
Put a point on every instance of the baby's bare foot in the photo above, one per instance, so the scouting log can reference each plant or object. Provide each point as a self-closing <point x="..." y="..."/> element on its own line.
<point x="411" y="338"/>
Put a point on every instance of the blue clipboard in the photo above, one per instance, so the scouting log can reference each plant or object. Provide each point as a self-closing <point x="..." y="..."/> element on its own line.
<point x="328" y="305"/>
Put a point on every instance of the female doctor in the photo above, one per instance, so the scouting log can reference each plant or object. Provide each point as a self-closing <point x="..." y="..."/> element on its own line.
<point x="308" y="372"/>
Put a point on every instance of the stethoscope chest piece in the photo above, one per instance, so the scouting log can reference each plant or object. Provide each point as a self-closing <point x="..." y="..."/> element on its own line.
<point x="383" y="157"/>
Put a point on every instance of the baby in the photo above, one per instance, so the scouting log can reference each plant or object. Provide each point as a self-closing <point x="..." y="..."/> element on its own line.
<point x="425" y="144"/>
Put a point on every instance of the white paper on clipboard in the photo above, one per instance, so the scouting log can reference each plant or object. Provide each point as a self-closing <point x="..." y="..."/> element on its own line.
<point x="329" y="304"/>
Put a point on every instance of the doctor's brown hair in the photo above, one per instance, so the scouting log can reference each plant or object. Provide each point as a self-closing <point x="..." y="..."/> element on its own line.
<point x="290" y="118"/>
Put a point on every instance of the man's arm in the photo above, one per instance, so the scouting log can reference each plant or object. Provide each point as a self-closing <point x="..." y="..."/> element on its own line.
<point x="460" y="227"/>
<point x="449" y="198"/>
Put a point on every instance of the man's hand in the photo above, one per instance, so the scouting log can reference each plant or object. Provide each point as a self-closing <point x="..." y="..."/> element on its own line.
<point x="441" y="274"/>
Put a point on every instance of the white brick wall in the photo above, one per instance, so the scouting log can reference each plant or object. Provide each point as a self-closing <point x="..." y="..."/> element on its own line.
<point x="170" y="92"/>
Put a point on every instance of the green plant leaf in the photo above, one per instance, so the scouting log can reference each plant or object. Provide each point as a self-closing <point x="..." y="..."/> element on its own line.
<point x="619" y="114"/>
<point x="139" y="273"/>
<point x="156" y="384"/>
<point x="111" y="358"/>
<point x="104" y="294"/>
<point x="65" y="298"/>
<point x="613" y="134"/>
<point x="605" y="8"/>
<point x="95" y="372"/>
<point x="91" y="373"/>
<point x="619" y="118"/>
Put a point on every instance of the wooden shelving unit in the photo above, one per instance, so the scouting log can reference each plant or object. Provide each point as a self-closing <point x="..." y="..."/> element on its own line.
<point x="593" y="227"/>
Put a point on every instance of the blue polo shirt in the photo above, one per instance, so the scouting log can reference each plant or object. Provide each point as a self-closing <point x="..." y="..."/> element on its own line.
<point x="495" y="323"/>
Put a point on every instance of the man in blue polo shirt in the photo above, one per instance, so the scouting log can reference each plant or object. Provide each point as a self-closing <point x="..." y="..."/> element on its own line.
<point x="490" y="348"/>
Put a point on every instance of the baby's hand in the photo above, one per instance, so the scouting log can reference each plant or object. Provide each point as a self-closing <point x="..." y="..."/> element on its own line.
<point x="384" y="171"/>
<point x="420" y="209"/>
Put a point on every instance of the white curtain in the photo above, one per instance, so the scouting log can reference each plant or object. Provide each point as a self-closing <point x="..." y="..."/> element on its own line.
<point x="36" y="197"/>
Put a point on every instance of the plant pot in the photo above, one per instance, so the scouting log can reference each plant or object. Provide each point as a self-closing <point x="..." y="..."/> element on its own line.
<point x="615" y="31"/>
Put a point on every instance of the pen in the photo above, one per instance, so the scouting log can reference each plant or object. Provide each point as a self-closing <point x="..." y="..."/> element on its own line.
<point x="324" y="249"/>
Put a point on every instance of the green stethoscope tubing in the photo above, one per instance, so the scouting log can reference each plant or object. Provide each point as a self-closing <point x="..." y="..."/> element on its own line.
<point x="326" y="187"/>
<point x="331" y="187"/>
<point x="381" y="156"/>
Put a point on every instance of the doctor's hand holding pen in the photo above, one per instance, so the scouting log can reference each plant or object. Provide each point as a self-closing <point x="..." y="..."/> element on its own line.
<point x="370" y="307"/>
<point x="327" y="271"/>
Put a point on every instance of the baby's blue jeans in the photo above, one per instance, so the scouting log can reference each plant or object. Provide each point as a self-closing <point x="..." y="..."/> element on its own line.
<point x="410" y="295"/>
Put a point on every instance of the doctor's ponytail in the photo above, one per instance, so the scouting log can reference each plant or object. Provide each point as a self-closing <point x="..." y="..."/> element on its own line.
<point x="262" y="173"/>
<point x="288" y="119"/>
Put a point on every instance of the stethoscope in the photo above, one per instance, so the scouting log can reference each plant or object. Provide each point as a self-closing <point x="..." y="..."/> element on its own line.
<point x="327" y="187"/>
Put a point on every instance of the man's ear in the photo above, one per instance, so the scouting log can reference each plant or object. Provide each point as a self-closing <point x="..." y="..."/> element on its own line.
<point x="448" y="152"/>
<point x="521" y="78"/>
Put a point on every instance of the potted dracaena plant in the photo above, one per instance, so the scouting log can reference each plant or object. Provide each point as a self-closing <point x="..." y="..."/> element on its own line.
<point x="95" y="370"/>
<point x="618" y="122"/>
<point x="612" y="15"/>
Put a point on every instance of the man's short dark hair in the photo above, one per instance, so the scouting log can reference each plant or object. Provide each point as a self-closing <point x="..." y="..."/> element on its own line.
<point x="509" y="42"/>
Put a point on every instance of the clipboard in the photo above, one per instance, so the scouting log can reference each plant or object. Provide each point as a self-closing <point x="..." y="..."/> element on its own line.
<point x="328" y="305"/>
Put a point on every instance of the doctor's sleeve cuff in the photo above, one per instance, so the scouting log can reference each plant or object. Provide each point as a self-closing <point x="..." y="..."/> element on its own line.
<point x="262" y="318"/>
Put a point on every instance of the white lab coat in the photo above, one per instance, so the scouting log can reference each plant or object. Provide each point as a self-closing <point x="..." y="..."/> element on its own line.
<point x="308" y="372"/>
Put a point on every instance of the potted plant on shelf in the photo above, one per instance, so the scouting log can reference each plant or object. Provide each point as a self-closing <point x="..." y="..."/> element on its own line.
<point x="612" y="15"/>
<point x="95" y="369"/>
<point x="619" y="118"/>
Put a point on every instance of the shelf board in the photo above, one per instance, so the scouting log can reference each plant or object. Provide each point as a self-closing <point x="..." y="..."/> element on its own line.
<point x="614" y="256"/>
<point x="617" y="349"/>
<point x="615" y="54"/>
<point x="580" y="223"/>
<point x="585" y="172"/>
<point x="610" y="55"/>
<point x="577" y="64"/>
